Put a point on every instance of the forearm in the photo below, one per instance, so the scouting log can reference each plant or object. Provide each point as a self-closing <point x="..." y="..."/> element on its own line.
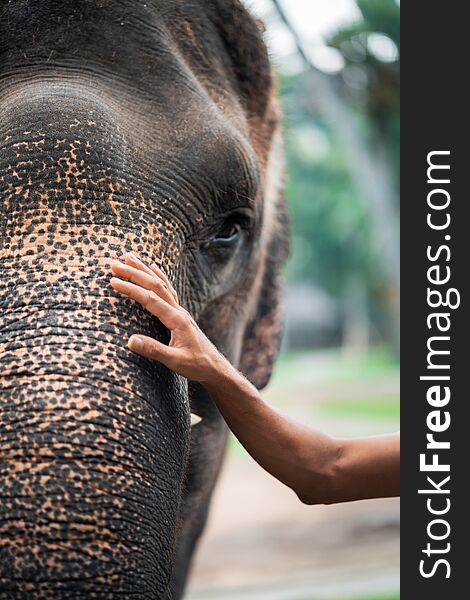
<point x="301" y="458"/>
<point x="369" y="468"/>
<point x="319" y="468"/>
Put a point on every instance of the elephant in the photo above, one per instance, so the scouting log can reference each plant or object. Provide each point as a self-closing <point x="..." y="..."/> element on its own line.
<point x="150" y="126"/>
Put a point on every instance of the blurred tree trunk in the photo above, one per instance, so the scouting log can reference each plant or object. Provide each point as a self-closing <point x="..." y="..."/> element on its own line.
<point x="371" y="172"/>
<point x="355" y="337"/>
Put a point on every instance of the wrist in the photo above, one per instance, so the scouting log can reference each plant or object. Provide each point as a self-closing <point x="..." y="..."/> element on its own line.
<point x="216" y="371"/>
<point x="224" y="381"/>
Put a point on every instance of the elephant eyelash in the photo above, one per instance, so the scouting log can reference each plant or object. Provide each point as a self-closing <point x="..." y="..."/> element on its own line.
<point x="228" y="234"/>
<point x="230" y="228"/>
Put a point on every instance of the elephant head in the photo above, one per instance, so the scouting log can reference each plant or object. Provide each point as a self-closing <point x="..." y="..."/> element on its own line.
<point x="149" y="126"/>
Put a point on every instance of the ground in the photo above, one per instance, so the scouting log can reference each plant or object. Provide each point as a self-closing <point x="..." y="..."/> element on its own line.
<point x="262" y="543"/>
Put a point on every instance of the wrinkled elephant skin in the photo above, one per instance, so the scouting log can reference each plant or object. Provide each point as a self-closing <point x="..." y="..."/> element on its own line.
<point x="145" y="126"/>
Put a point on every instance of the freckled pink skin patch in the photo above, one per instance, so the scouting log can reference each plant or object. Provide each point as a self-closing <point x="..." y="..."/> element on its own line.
<point x="83" y="469"/>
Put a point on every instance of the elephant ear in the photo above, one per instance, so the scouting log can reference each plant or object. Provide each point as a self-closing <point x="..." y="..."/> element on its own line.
<point x="251" y="73"/>
<point x="247" y="56"/>
<point x="263" y="334"/>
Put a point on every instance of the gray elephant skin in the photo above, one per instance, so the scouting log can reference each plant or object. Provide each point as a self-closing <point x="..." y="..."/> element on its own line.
<point x="150" y="126"/>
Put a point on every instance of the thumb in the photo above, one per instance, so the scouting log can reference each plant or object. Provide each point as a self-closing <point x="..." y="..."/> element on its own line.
<point x="150" y="348"/>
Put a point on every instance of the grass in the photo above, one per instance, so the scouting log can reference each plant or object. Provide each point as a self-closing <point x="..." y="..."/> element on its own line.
<point x="332" y="365"/>
<point x="385" y="407"/>
<point x="388" y="597"/>
<point x="392" y="597"/>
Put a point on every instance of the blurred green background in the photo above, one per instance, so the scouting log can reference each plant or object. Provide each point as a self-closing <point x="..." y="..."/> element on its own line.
<point x="338" y="65"/>
<point x="345" y="240"/>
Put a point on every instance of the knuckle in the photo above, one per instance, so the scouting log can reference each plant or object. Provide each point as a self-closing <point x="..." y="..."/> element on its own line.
<point x="186" y="317"/>
<point x="191" y="321"/>
<point x="152" y="350"/>
<point x="180" y="361"/>
<point x="172" y="363"/>
<point x="184" y="320"/>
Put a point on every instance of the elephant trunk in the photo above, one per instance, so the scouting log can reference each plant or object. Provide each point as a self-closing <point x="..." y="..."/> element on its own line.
<point x="93" y="439"/>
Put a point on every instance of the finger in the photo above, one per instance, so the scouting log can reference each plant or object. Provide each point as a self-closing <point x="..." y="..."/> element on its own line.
<point x="151" y="348"/>
<point x="156" y="269"/>
<point x="168" y="314"/>
<point x="131" y="259"/>
<point x="142" y="278"/>
<point x="163" y="276"/>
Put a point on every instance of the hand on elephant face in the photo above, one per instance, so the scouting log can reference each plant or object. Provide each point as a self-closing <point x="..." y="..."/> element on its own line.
<point x="189" y="353"/>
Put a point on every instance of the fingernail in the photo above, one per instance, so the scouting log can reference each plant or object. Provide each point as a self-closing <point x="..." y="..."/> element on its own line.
<point x="136" y="343"/>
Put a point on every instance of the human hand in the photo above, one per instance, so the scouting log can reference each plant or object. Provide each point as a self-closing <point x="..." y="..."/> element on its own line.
<point x="189" y="353"/>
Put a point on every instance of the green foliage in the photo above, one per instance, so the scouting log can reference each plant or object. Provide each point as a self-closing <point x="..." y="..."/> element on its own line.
<point x="368" y="81"/>
<point x="331" y="229"/>
<point x="383" y="16"/>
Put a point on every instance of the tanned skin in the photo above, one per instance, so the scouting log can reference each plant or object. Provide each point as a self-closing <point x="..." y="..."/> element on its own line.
<point x="318" y="468"/>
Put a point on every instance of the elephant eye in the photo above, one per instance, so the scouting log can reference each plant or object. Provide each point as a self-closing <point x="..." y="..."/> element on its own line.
<point x="232" y="230"/>
<point x="228" y="235"/>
